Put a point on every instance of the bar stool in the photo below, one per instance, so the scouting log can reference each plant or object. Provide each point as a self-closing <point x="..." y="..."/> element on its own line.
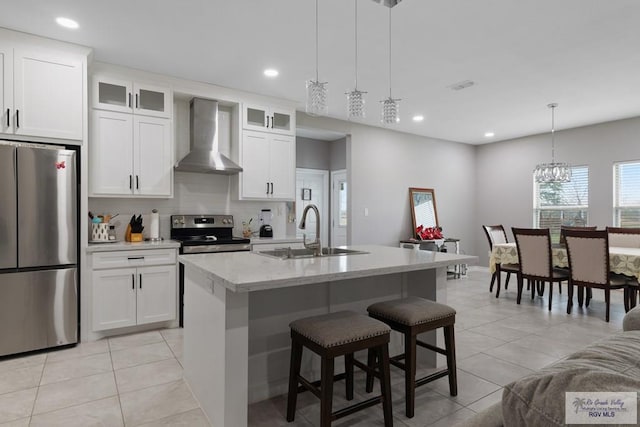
<point x="330" y="336"/>
<point x="412" y="316"/>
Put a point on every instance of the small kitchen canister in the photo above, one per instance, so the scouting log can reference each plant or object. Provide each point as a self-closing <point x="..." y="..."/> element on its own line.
<point x="100" y="232"/>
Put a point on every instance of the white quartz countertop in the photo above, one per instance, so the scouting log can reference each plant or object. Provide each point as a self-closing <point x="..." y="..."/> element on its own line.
<point x="249" y="271"/>
<point x="131" y="246"/>
<point x="275" y="240"/>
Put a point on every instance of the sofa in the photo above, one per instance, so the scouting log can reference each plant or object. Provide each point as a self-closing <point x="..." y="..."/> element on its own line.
<point x="611" y="364"/>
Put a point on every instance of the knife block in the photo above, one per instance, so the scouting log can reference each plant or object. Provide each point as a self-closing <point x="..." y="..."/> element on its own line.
<point x="132" y="237"/>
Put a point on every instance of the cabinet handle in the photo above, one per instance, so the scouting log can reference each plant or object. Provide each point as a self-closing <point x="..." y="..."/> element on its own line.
<point x="272" y="188"/>
<point x="267" y="124"/>
<point x="8" y="119"/>
<point x="267" y="188"/>
<point x="17" y="119"/>
<point x="137" y="182"/>
<point x="129" y="99"/>
<point x="130" y="182"/>
<point x="135" y="257"/>
<point x="140" y="282"/>
<point x="271" y="122"/>
<point x="136" y="100"/>
<point x="133" y="282"/>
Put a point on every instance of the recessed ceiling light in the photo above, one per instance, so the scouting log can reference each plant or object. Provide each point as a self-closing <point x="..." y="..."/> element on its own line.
<point x="418" y="118"/>
<point x="271" y="72"/>
<point x="67" y="23"/>
<point x="489" y="134"/>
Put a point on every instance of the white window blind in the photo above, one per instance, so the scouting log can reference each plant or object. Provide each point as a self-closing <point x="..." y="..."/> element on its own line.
<point x="562" y="203"/>
<point x="626" y="194"/>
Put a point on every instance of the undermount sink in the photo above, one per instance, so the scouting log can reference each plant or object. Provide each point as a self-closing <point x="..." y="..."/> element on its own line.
<point x="288" y="253"/>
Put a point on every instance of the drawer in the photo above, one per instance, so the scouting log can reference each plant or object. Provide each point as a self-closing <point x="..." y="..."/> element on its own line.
<point x="119" y="259"/>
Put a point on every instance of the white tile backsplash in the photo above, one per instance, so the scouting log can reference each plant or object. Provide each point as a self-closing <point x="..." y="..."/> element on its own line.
<point x="194" y="193"/>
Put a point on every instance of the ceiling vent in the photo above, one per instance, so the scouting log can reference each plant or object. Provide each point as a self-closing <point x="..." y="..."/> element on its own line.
<point x="462" y="85"/>
<point x="388" y="3"/>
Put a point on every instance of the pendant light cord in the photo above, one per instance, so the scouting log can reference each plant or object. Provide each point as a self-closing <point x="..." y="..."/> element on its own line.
<point x="390" y="54"/>
<point x="553" y="132"/>
<point x="355" y="2"/>
<point x="317" y="79"/>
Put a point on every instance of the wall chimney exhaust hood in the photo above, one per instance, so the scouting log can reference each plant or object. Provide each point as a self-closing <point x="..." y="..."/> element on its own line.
<point x="204" y="155"/>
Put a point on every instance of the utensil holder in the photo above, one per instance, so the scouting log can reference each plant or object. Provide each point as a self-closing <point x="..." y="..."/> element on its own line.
<point x="100" y="232"/>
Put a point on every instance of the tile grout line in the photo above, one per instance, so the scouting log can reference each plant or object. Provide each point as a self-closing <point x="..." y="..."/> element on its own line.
<point x="116" y="382"/>
<point x="33" y="407"/>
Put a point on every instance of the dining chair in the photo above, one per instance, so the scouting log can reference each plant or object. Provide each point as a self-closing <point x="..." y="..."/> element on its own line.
<point x="588" y="253"/>
<point x="497" y="234"/>
<point x="564" y="228"/>
<point x="624" y="237"/>
<point x="534" y="253"/>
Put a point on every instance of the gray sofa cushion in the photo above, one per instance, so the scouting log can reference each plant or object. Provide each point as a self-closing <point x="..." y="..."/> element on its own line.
<point x="612" y="364"/>
<point x="631" y="321"/>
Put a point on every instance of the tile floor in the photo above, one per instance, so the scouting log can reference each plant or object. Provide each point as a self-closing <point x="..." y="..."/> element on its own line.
<point x="136" y="380"/>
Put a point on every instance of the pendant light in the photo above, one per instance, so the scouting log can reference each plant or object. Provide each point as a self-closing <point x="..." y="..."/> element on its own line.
<point x="390" y="107"/>
<point x="355" y="98"/>
<point x="316" y="90"/>
<point x="554" y="171"/>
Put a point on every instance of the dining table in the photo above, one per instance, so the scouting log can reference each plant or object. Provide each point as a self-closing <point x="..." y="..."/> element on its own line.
<point x="621" y="260"/>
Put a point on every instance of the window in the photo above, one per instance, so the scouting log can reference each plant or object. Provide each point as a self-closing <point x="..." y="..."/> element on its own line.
<point x="562" y="203"/>
<point x="626" y="194"/>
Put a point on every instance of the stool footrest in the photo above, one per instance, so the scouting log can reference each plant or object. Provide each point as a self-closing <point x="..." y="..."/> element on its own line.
<point x="432" y="377"/>
<point x="366" y="368"/>
<point x="314" y="387"/>
<point x="356" y="407"/>
<point x="431" y="347"/>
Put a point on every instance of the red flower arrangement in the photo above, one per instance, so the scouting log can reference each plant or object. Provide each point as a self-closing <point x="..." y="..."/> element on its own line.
<point x="429" y="233"/>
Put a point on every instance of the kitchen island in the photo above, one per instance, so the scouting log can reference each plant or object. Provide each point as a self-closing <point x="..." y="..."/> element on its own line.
<point x="238" y="307"/>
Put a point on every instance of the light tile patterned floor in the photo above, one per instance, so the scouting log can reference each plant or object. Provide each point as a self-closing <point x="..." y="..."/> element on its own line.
<point x="137" y="379"/>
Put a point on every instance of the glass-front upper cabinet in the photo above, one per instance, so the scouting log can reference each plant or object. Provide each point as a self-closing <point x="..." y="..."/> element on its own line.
<point x="131" y="97"/>
<point x="269" y="119"/>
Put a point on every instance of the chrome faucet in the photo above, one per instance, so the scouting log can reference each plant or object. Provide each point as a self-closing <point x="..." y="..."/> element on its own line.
<point x="315" y="245"/>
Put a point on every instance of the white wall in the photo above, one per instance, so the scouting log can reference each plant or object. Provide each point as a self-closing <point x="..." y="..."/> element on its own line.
<point x="504" y="174"/>
<point x="382" y="164"/>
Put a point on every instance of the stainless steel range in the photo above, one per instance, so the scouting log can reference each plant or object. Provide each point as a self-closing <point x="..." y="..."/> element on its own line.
<point x="204" y="234"/>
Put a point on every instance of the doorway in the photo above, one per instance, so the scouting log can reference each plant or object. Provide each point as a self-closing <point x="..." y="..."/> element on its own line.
<point x="339" y="197"/>
<point x="312" y="187"/>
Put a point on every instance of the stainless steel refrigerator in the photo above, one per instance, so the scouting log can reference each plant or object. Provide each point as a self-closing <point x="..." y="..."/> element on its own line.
<point x="38" y="247"/>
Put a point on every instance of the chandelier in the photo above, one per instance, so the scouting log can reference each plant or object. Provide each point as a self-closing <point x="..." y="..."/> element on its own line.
<point x="390" y="107"/>
<point x="355" y="98"/>
<point x="554" y="171"/>
<point x="317" y="90"/>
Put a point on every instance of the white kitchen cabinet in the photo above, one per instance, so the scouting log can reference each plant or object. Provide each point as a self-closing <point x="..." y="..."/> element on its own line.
<point x="126" y="96"/>
<point x="268" y="163"/>
<point x="134" y="292"/>
<point x="269" y="119"/>
<point x="130" y="155"/>
<point x="42" y="93"/>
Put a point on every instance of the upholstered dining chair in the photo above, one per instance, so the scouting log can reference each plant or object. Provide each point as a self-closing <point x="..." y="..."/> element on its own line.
<point x="563" y="228"/>
<point x="497" y="234"/>
<point x="624" y="237"/>
<point x="534" y="254"/>
<point x="588" y="253"/>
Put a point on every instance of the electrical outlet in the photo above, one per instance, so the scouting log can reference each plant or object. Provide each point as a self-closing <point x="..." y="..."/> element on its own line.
<point x="366" y="211"/>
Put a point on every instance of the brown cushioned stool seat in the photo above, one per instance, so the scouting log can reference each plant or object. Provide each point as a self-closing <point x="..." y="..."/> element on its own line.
<point x="412" y="316"/>
<point x="330" y="336"/>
